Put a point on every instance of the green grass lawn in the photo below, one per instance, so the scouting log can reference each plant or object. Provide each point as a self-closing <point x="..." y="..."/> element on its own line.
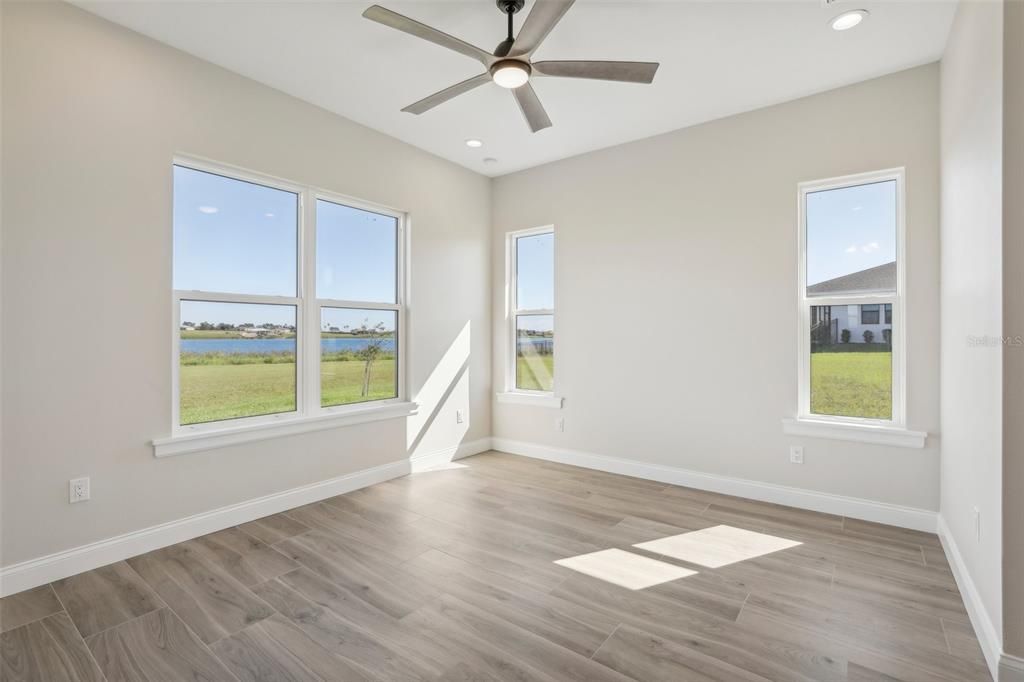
<point x="851" y="383"/>
<point x="530" y="380"/>
<point x="211" y="392"/>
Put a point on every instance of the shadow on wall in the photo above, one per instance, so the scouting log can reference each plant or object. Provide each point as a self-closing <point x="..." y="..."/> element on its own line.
<point x="450" y="377"/>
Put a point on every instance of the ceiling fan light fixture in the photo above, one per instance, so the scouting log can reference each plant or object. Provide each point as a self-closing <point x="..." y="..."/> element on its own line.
<point x="510" y="73"/>
<point x="848" y="20"/>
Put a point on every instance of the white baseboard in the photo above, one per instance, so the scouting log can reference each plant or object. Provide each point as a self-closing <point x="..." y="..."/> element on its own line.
<point x="439" y="458"/>
<point x="988" y="637"/>
<point x="1011" y="668"/>
<point x="854" y="507"/>
<point x="35" y="572"/>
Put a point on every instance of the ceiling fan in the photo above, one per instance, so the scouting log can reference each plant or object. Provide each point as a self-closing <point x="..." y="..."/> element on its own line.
<point x="509" y="65"/>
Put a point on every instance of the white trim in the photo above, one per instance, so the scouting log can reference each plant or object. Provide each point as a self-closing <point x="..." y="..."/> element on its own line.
<point x="1011" y="668"/>
<point x="439" y="458"/>
<point x="854" y="507"/>
<point x="35" y="572"/>
<point x="535" y="399"/>
<point x="984" y="627"/>
<point x="860" y="433"/>
<point x="287" y="425"/>
<point x="897" y="298"/>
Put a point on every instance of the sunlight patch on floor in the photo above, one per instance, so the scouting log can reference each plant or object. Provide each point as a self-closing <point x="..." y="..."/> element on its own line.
<point x="717" y="546"/>
<point x="625" y="569"/>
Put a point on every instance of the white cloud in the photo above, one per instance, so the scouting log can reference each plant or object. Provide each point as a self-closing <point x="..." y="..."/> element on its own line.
<point x="863" y="248"/>
<point x="208" y="209"/>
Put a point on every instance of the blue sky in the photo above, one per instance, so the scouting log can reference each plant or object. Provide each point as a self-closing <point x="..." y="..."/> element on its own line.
<point x="237" y="237"/>
<point x="535" y="260"/>
<point x="850" y="229"/>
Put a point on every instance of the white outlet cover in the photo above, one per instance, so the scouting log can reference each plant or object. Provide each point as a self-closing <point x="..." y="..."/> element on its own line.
<point x="78" y="490"/>
<point x="796" y="454"/>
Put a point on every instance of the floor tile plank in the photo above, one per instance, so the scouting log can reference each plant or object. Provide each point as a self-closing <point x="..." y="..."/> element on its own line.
<point x="46" y="650"/>
<point x="105" y="597"/>
<point x="156" y="647"/>
<point x="25" y="607"/>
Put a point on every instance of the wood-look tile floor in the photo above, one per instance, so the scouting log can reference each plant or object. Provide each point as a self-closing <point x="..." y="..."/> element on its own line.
<point x="451" y="575"/>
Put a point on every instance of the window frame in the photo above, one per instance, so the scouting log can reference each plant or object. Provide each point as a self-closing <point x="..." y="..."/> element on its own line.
<point x="896" y="298"/>
<point x="513" y="313"/>
<point x="307" y="322"/>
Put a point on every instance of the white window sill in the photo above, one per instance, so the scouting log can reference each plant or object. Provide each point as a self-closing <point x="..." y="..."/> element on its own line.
<point x="233" y="435"/>
<point x="532" y="399"/>
<point x="861" y="433"/>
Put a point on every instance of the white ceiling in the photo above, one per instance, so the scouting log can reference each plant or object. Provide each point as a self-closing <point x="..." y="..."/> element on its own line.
<point x="717" y="58"/>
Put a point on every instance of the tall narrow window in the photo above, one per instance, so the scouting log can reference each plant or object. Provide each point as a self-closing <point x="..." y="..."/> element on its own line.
<point x="532" y="319"/>
<point x="851" y="298"/>
<point x="357" y="291"/>
<point x="288" y="302"/>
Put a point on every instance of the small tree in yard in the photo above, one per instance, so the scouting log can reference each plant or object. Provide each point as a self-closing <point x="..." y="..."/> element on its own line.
<point x="887" y="336"/>
<point x="375" y="336"/>
<point x="869" y="336"/>
<point x="844" y="336"/>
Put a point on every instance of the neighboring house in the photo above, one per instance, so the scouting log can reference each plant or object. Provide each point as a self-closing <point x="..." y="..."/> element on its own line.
<point x="255" y="332"/>
<point x="828" y="322"/>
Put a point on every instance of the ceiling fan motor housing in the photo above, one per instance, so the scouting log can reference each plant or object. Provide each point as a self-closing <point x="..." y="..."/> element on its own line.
<point x="510" y="6"/>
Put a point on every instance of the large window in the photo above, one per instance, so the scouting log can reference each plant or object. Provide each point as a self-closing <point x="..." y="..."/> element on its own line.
<point x="287" y="301"/>
<point x="531" y="288"/>
<point x="851" y="299"/>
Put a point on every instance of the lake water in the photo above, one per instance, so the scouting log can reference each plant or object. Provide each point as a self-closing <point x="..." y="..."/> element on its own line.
<point x="241" y="346"/>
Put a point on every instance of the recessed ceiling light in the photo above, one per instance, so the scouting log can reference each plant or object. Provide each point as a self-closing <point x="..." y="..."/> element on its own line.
<point x="490" y="160"/>
<point x="848" y="20"/>
<point x="474" y="143"/>
<point x="208" y="209"/>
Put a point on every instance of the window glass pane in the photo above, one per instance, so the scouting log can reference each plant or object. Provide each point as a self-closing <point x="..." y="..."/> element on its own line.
<point x="235" y="360"/>
<point x="851" y="364"/>
<point x="535" y="352"/>
<point x="358" y="355"/>
<point x="535" y="272"/>
<point x="851" y="240"/>
<point x="356" y="254"/>
<point x="233" y="236"/>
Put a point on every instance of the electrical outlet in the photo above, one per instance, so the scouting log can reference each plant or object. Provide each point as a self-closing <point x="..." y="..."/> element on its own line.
<point x="796" y="454"/>
<point x="977" y="524"/>
<point x="78" y="490"/>
<point x="460" y="416"/>
<point x="560" y="424"/>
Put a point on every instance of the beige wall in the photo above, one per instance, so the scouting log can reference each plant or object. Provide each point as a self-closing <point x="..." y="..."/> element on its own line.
<point x="691" y="237"/>
<point x="1013" y="321"/>
<point x="92" y="115"/>
<point x="971" y="113"/>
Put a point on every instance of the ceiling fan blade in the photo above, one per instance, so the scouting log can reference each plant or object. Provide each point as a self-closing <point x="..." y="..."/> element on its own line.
<point x="542" y="18"/>
<point x="626" y="72"/>
<point x="395" y="20"/>
<point x="531" y="107"/>
<point x="428" y="103"/>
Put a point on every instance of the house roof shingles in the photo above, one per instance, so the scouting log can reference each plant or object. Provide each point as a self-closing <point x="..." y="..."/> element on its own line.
<point x="878" y="278"/>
